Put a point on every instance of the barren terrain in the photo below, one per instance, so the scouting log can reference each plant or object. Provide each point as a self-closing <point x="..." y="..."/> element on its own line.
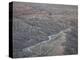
<point x="44" y="29"/>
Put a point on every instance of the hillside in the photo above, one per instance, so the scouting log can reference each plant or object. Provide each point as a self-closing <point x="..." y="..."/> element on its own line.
<point x="44" y="29"/>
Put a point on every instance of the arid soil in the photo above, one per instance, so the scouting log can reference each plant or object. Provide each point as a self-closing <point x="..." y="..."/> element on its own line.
<point x="44" y="29"/>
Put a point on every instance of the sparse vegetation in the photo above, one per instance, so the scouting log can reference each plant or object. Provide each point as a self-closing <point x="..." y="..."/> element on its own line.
<point x="33" y="23"/>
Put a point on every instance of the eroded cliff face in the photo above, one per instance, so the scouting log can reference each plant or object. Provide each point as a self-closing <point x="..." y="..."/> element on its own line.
<point x="44" y="29"/>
